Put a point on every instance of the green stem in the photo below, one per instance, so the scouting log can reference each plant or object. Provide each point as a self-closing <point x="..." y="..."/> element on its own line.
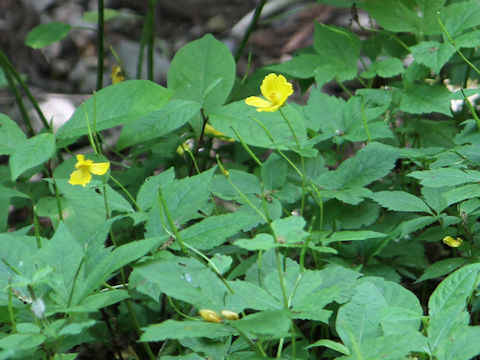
<point x="36" y="224"/>
<point x="100" y="35"/>
<point x="10" y="307"/>
<point x="456" y="47"/>
<point x="344" y="88"/>
<point x="90" y="137"/>
<point x="247" y="149"/>
<point x="251" y="27"/>
<point x="150" y="37"/>
<point x="472" y="109"/>
<point x="119" y="184"/>
<point x="8" y="67"/>
<point x="163" y="204"/>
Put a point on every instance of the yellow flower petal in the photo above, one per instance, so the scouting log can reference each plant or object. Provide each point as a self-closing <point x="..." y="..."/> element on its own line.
<point x="80" y="177"/>
<point x="99" y="168"/>
<point x="276" y="89"/>
<point x="448" y="240"/>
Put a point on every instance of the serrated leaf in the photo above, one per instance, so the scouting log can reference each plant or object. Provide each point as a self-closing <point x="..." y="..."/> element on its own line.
<point x="300" y="67"/>
<point x="115" y="105"/>
<point x="441" y="268"/>
<point x="384" y="68"/>
<point x="460" y="16"/>
<point x="46" y="34"/>
<point x="446" y="177"/>
<point x="202" y="71"/>
<point x="30" y="153"/>
<point x="424" y="99"/>
<point x="369" y="164"/>
<point x="157" y="123"/>
<point x="11" y="136"/>
<point x="433" y="54"/>
<point x="462" y="193"/>
<point x="400" y="201"/>
<point x="455" y="289"/>
<point x="269" y="323"/>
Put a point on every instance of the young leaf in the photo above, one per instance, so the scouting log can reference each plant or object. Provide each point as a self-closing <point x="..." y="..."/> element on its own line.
<point x="202" y="71"/>
<point x="115" y="105"/>
<point x="30" y="153"/>
<point x="46" y="34"/>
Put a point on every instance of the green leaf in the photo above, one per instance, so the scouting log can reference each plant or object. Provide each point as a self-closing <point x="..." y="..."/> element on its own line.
<point x="423" y="99"/>
<point x="188" y="280"/>
<point x="441" y="268"/>
<point x="269" y="323"/>
<point x="92" y="16"/>
<point x="455" y="289"/>
<point x="46" y="34"/>
<point x="468" y="40"/>
<point x="446" y="177"/>
<point x="462" y="193"/>
<point x="460" y="16"/>
<point x="340" y="49"/>
<point x="11" y="136"/>
<point x="172" y="329"/>
<point x="300" y="67"/>
<point x="384" y="68"/>
<point x="157" y="123"/>
<point x="21" y="341"/>
<point x="150" y="186"/>
<point x="400" y="201"/>
<point x="369" y="164"/>
<point x="240" y="117"/>
<point x="202" y="71"/>
<point x="115" y="105"/>
<point x="433" y="54"/>
<point x="30" y="153"/>
<point x="247" y="295"/>
<point x="353" y="236"/>
<point x="339" y="347"/>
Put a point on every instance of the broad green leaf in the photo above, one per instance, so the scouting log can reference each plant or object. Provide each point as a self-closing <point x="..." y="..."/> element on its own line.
<point x="184" y="279"/>
<point x="290" y="229"/>
<point x="458" y="344"/>
<point x="202" y="71"/>
<point x="115" y="105"/>
<point x="460" y="16"/>
<point x="468" y="40"/>
<point x="369" y="164"/>
<point x="65" y="255"/>
<point x="11" y="136"/>
<point x="462" y="193"/>
<point x="352" y="195"/>
<point x="441" y="268"/>
<point x="384" y="68"/>
<point x="339" y="347"/>
<point x="400" y="201"/>
<point x="353" y="236"/>
<point x="172" y="329"/>
<point x="274" y="172"/>
<point x="46" y="34"/>
<point x="245" y="120"/>
<point x="150" y="186"/>
<point x="455" y="289"/>
<point x="415" y="224"/>
<point x="31" y="152"/>
<point x="300" y="67"/>
<point x="215" y="230"/>
<point x="433" y="54"/>
<point x="76" y="328"/>
<point x="446" y="177"/>
<point x="21" y="341"/>
<point x="97" y="301"/>
<point x="7" y="193"/>
<point x="423" y="99"/>
<point x="247" y="295"/>
<point x="268" y="323"/>
<point x="340" y="49"/>
<point x="157" y="123"/>
<point x="434" y="197"/>
<point x="184" y="198"/>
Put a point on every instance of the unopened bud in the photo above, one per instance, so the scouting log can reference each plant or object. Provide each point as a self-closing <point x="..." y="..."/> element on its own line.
<point x="210" y="315"/>
<point x="230" y="315"/>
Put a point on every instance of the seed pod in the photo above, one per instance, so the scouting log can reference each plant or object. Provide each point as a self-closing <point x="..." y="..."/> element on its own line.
<point x="448" y="240"/>
<point x="230" y="315"/>
<point x="210" y="315"/>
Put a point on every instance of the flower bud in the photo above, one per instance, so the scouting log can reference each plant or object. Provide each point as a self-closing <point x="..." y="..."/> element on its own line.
<point x="448" y="240"/>
<point x="230" y="315"/>
<point x="210" y="315"/>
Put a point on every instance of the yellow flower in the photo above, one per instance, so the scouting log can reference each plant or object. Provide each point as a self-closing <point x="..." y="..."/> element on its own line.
<point x="85" y="169"/>
<point x="275" y="89"/>
<point x="448" y="240"/>
<point x="182" y="148"/>
<point x="210" y="315"/>
<point x="117" y="74"/>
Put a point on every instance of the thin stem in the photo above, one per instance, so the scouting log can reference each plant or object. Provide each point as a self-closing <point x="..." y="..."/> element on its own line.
<point x="11" y="314"/>
<point x="90" y="136"/>
<point x="100" y="35"/>
<point x="247" y="149"/>
<point x="251" y="27"/>
<point x="472" y="109"/>
<point x="456" y="47"/>
<point x="163" y="204"/>
<point x="150" y="37"/>
<point x="8" y="67"/>
<point x="119" y="184"/>
<point x="36" y="224"/>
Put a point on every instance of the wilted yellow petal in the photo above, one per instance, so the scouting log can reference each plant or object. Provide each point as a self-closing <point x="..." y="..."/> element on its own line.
<point x="210" y="315"/>
<point x="80" y="177"/>
<point x="99" y="168"/>
<point x="448" y="240"/>
<point x="257" y="102"/>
